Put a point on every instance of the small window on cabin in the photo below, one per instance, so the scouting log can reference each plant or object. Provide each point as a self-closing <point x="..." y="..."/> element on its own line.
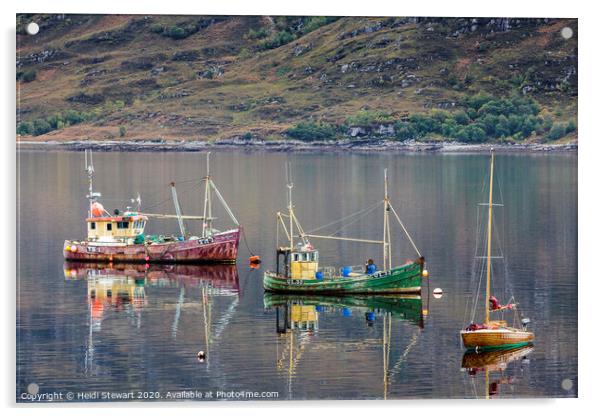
<point x="296" y="257"/>
<point x="122" y="224"/>
<point x="92" y="225"/>
<point x="109" y="226"/>
<point x="310" y="256"/>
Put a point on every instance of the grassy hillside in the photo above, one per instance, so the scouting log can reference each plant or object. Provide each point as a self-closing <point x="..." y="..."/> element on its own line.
<point x="209" y="77"/>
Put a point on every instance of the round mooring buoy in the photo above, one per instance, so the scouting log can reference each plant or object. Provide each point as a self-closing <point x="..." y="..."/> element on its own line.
<point x="425" y="273"/>
<point x="201" y="356"/>
<point x="438" y="293"/>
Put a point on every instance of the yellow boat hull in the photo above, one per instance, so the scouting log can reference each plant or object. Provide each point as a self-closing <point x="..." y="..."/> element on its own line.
<point x="487" y="339"/>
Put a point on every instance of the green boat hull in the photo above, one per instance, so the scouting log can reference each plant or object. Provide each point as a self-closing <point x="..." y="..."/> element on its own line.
<point x="403" y="279"/>
<point x="405" y="307"/>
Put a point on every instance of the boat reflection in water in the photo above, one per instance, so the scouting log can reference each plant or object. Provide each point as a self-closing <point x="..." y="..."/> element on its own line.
<point x="298" y="320"/>
<point x="124" y="288"/>
<point x="498" y="362"/>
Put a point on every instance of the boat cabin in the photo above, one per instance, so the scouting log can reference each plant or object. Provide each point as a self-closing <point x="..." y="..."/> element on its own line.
<point x="123" y="228"/>
<point x="298" y="263"/>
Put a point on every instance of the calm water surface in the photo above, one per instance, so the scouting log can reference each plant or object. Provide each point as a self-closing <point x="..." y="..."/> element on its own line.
<point x="91" y="329"/>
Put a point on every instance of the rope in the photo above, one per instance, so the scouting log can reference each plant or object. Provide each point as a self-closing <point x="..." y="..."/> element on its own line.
<point x="355" y="220"/>
<point x="244" y="238"/>
<point x="345" y="218"/>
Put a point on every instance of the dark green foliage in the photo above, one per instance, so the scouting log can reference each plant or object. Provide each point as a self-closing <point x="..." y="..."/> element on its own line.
<point x="247" y="136"/>
<point x="41" y="126"/>
<point x="260" y="33"/>
<point x="24" y="128"/>
<point x="485" y="118"/>
<point x="184" y="29"/>
<point x="122" y="131"/>
<point x="559" y="130"/>
<point x="27" y="76"/>
<point x="287" y="29"/>
<point x="571" y="126"/>
<point x="405" y="131"/>
<point x="276" y="40"/>
<point x="368" y="118"/>
<point x="312" y="131"/>
<point x="54" y="122"/>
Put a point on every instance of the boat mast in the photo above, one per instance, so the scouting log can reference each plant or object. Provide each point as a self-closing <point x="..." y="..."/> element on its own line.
<point x="92" y="196"/>
<point x="289" y="185"/>
<point x="386" y="229"/>
<point x="207" y="226"/>
<point x="489" y="225"/>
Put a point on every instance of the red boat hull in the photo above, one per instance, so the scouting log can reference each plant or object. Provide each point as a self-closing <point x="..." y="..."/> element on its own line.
<point x="223" y="248"/>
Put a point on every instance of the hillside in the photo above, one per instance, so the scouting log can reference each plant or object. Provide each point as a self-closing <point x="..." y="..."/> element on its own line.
<point x="209" y="77"/>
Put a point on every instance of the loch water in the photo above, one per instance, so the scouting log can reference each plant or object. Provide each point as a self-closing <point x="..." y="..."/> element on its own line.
<point x="135" y="332"/>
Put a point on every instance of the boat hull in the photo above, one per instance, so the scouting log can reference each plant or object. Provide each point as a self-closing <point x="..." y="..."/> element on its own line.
<point x="223" y="248"/>
<point x="404" y="279"/>
<point x="494" y="339"/>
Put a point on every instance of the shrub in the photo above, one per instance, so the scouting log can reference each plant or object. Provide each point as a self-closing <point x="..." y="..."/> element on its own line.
<point x="176" y="32"/>
<point x="24" y="128"/>
<point x="557" y="131"/>
<point x="27" y="76"/>
<point x="122" y="131"/>
<point x="367" y="118"/>
<point x="571" y="126"/>
<point x="312" y="131"/>
<point x="277" y="39"/>
<point x="260" y="33"/>
<point x="405" y="131"/>
<point x="41" y="126"/>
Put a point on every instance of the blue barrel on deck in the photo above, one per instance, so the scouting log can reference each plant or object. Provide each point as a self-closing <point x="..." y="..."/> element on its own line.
<point x="319" y="276"/>
<point x="371" y="268"/>
<point x="346" y="271"/>
<point x="346" y="312"/>
<point x="370" y="317"/>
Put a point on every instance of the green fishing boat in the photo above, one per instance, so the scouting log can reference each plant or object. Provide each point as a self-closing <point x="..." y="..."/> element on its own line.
<point x="298" y="270"/>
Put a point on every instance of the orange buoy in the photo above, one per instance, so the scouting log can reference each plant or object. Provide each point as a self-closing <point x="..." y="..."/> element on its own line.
<point x="254" y="259"/>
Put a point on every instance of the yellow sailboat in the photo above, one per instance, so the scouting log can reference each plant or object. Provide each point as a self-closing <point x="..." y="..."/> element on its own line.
<point x="494" y="334"/>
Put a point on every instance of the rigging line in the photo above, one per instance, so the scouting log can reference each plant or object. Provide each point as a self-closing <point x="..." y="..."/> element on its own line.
<point x="474" y="264"/>
<point x="345" y="218"/>
<point x="404" y="229"/>
<point x="244" y="238"/>
<point x="355" y="220"/>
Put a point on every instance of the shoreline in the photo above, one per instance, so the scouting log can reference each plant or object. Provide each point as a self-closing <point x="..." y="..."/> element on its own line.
<point x="357" y="146"/>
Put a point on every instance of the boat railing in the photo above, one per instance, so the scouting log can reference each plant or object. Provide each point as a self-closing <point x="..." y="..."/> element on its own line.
<point x="328" y="272"/>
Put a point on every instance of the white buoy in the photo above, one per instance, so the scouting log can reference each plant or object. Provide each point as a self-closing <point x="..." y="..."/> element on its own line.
<point x="438" y="293"/>
<point x="201" y="356"/>
<point x="425" y="273"/>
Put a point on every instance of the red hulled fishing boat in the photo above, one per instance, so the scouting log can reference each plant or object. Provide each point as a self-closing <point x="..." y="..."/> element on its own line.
<point x="120" y="237"/>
